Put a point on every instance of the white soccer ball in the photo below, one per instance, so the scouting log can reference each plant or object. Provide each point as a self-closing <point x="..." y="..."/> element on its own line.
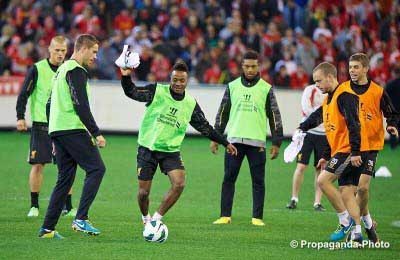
<point x="155" y="231"/>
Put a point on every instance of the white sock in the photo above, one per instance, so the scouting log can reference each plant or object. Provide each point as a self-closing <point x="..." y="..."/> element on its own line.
<point x="357" y="229"/>
<point x="146" y="218"/>
<point x="344" y="218"/>
<point x="295" y="199"/>
<point x="367" y="220"/>
<point x="156" y="216"/>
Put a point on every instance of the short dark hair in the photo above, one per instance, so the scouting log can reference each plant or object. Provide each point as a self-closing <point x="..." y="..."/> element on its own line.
<point x="180" y="65"/>
<point x="85" y="40"/>
<point x="250" y="55"/>
<point x="360" y="57"/>
<point x="326" y="68"/>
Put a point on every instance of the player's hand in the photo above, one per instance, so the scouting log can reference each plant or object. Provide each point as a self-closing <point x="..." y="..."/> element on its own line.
<point x="356" y="160"/>
<point x="214" y="147"/>
<point x="392" y="131"/>
<point x="101" y="142"/>
<point x="274" y="151"/>
<point x="321" y="164"/>
<point x="231" y="149"/>
<point x="21" y="125"/>
<point x="125" y="72"/>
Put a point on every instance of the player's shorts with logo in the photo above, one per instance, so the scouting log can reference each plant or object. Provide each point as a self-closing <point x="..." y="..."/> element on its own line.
<point x="340" y="164"/>
<point x="312" y="143"/>
<point x="147" y="162"/>
<point x="40" y="150"/>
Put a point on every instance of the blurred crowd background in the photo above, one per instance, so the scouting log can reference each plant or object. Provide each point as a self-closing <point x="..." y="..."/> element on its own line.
<point x="292" y="36"/>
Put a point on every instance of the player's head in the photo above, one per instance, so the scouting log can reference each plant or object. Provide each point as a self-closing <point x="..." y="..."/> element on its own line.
<point x="250" y="64"/>
<point x="358" y="67"/>
<point x="179" y="77"/>
<point x="325" y="77"/>
<point x="86" y="47"/>
<point x="57" y="49"/>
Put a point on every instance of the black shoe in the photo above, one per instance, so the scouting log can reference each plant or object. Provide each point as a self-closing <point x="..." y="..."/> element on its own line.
<point x="292" y="205"/>
<point x="371" y="233"/>
<point x="319" y="207"/>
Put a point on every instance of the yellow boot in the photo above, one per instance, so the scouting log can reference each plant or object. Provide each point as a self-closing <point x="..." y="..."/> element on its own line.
<point x="223" y="220"/>
<point x="257" y="222"/>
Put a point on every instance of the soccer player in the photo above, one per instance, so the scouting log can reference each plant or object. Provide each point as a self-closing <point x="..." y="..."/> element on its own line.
<point x="339" y="113"/>
<point x="169" y="111"/>
<point x="75" y="136"/>
<point x="247" y="106"/>
<point x="314" y="141"/>
<point x="375" y="104"/>
<point x="37" y="88"/>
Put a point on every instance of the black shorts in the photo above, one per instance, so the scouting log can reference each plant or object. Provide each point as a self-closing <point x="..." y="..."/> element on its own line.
<point x="147" y="162"/>
<point x="369" y="162"/>
<point x="40" y="150"/>
<point x="312" y="143"/>
<point x="340" y="165"/>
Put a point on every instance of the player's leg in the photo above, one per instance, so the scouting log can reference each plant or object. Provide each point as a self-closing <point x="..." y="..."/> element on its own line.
<point x="66" y="174"/>
<point x="177" y="179"/>
<point x="318" y="192"/>
<point x="303" y="158"/>
<point x="335" y="167"/>
<point x="171" y="164"/>
<point x="348" y="182"/>
<point x="297" y="181"/>
<point x="319" y="143"/>
<point x="232" y="165"/>
<point x="256" y="157"/>
<point x="85" y="152"/>
<point x="35" y="183"/>
<point x="146" y="168"/>
<point x="369" y="162"/>
<point x="39" y="155"/>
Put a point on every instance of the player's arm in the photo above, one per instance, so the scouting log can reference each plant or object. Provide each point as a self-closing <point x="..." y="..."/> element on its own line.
<point x="388" y="110"/>
<point x="314" y="120"/>
<point x="141" y="94"/>
<point x="274" y="119"/>
<point x="224" y="110"/>
<point x="77" y="79"/>
<point x="348" y="106"/>
<point x="27" y="88"/>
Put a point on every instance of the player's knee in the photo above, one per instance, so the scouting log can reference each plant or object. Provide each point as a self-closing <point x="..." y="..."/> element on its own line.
<point x="179" y="185"/>
<point x="101" y="170"/>
<point x="143" y="194"/>
<point x="363" y="190"/>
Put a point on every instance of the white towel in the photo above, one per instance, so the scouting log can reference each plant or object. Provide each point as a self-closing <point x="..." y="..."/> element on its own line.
<point x="294" y="147"/>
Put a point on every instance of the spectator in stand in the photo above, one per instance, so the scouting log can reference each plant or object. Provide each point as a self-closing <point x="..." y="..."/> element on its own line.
<point x="124" y="22"/>
<point x="174" y="30"/>
<point x="160" y="67"/>
<point x="299" y="79"/>
<point x="213" y="74"/>
<point x="306" y="55"/>
<point x="282" y="78"/>
<point x="62" y="22"/>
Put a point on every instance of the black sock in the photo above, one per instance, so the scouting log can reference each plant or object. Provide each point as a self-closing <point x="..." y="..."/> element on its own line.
<point x="68" y="202"/>
<point x="35" y="199"/>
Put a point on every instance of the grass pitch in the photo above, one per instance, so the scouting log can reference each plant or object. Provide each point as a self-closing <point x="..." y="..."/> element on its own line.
<point x="192" y="236"/>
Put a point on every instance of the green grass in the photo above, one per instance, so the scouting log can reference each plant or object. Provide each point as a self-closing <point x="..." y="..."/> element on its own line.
<point x="192" y="236"/>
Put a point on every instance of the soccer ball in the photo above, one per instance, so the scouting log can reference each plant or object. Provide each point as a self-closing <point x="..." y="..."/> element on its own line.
<point x="155" y="231"/>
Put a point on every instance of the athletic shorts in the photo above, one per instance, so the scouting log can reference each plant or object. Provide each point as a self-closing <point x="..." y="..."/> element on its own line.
<point x="40" y="150"/>
<point x="340" y="165"/>
<point x="369" y="162"/>
<point x="147" y="162"/>
<point x="312" y="143"/>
